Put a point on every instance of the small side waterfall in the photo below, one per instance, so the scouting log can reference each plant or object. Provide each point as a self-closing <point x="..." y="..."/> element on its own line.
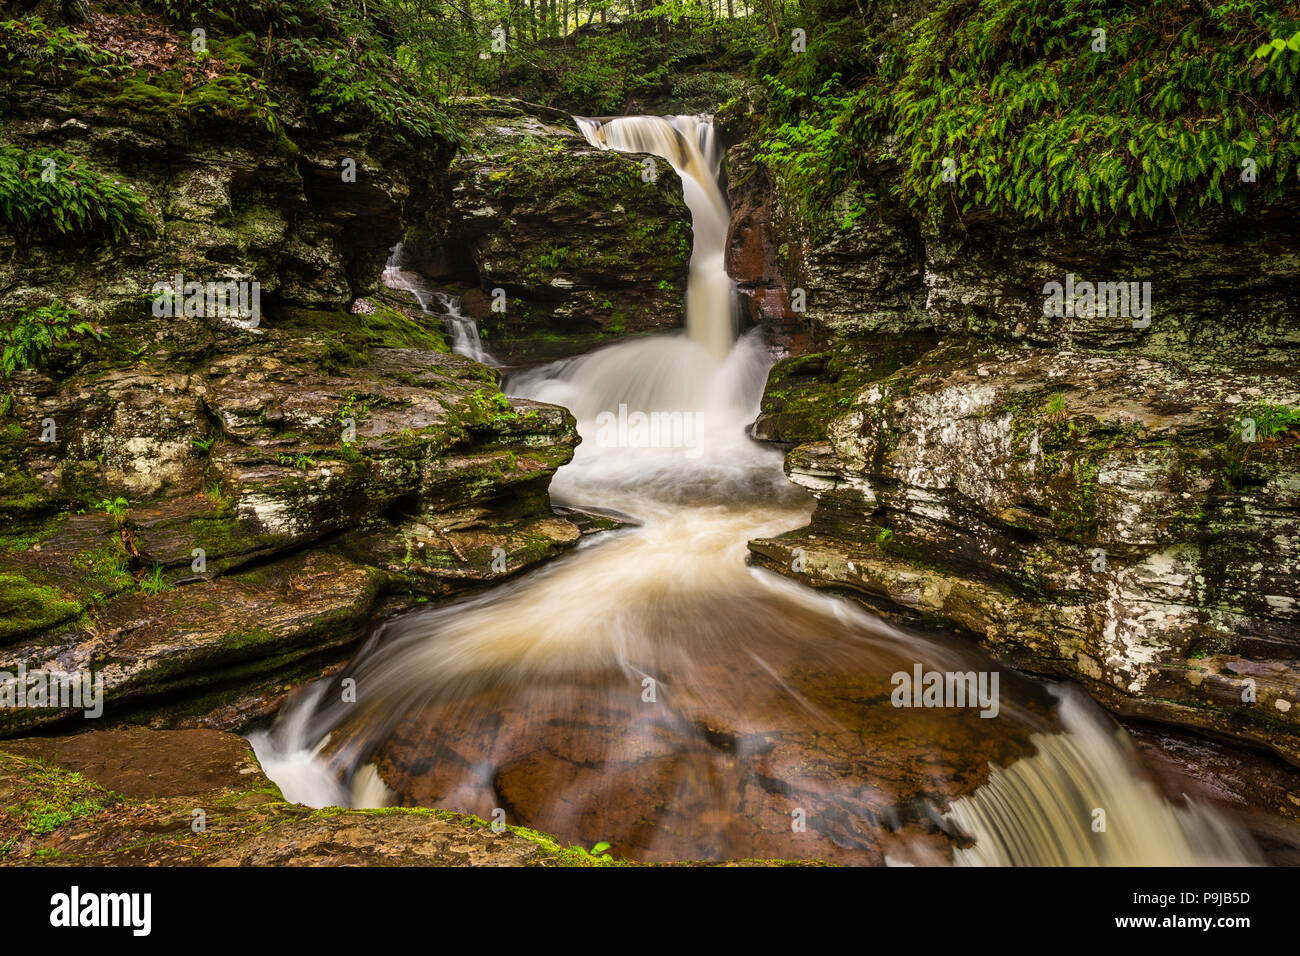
<point x="465" y="339"/>
<point x="690" y="144"/>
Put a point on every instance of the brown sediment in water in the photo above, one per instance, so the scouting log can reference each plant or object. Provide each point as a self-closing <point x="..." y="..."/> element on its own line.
<point x="765" y="709"/>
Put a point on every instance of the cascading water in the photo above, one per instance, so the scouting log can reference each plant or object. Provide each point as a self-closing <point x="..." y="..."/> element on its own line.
<point x="464" y="330"/>
<point x="652" y="691"/>
<point x="689" y="144"/>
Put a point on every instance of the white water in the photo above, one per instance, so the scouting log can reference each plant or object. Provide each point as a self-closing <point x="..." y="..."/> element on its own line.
<point x="1030" y="813"/>
<point x="674" y="597"/>
<point x="465" y="339"/>
<point x="690" y="145"/>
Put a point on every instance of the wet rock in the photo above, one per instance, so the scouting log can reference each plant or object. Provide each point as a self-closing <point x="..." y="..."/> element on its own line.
<point x="197" y="798"/>
<point x="203" y="510"/>
<point x="584" y="249"/>
<point x="1084" y="514"/>
<point x="1260" y="789"/>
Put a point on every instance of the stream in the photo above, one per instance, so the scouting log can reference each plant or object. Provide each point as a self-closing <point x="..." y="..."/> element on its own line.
<point x="652" y="691"/>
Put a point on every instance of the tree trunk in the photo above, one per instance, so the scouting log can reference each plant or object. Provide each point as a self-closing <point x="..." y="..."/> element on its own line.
<point x="769" y="11"/>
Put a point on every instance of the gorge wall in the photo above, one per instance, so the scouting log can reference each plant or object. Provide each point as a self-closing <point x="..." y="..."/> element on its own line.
<point x="206" y="510"/>
<point x="1074" y="491"/>
<point x="586" y="246"/>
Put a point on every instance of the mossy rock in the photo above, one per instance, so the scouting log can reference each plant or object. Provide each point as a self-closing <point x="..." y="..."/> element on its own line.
<point x="27" y="608"/>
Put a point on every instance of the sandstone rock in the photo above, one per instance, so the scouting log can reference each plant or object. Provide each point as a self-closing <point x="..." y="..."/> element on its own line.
<point x="224" y="504"/>
<point x="1085" y="514"/>
<point x="197" y="798"/>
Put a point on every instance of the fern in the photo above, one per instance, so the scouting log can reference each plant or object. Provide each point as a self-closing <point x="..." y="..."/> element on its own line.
<point x="1011" y="101"/>
<point x="38" y="332"/>
<point x="49" y="193"/>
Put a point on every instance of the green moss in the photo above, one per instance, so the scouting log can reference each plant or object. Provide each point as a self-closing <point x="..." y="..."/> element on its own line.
<point x="347" y="337"/>
<point x="29" y="608"/>
<point x="18" y="536"/>
<point x="804" y="393"/>
<point x="105" y="569"/>
<point x="46" y="798"/>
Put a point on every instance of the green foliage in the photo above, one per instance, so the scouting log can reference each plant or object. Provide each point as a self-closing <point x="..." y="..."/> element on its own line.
<point x="809" y="154"/>
<point x="356" y="81"/>
<point x="202" y="446"/>
<point x="1272" y="420"/>
<point x="1056" y="406"/>
<point x="345" y="51"/>
<point x="51" y="194"/>
<point x="226" y="86"/>
<point x="1278" y="46"/>
<point x="116" y="507"/>
<point x="599" y="71"/>
<point x="605" y="71"/>
<point x="37" y="332"/>
<point x="300" y="462"/>
<point x="154" y="582"/>
<point x="47" y="798"/>
<point x="1038" y="124"/>
<point x="217" y="495"/>
<point x="35" y="48"/>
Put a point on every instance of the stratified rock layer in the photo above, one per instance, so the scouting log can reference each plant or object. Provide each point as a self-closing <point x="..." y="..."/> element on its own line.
<point x="1094" y="496"/>
<point x="203" y="509"/>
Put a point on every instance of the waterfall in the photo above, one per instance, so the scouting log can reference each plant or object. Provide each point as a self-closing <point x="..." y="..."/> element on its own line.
<point x="690" y="144"/>
<point x="1078" y="801"/>
<point x="651" y="690"/>
<point x="465" y="339"/>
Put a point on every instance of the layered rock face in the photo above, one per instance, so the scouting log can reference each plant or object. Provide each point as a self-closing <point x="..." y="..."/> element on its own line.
<point x="555" y="246"/>
<point x="210" y="507"/>
<point x="1102" y="495"/>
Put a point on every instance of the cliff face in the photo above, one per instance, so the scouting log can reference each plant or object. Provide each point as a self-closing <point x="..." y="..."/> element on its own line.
<point x="206" y="506"/>
<point x="1107" y="497"/>
<point x="585" y="245"/>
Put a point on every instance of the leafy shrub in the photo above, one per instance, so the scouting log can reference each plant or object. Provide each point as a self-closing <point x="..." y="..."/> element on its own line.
<point x="72" y="200"/>
<point x="1039" y="125"/>
<point x="37" y="332"/>
<point x="35" y="47"/>
<point x="351" y="80"/>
